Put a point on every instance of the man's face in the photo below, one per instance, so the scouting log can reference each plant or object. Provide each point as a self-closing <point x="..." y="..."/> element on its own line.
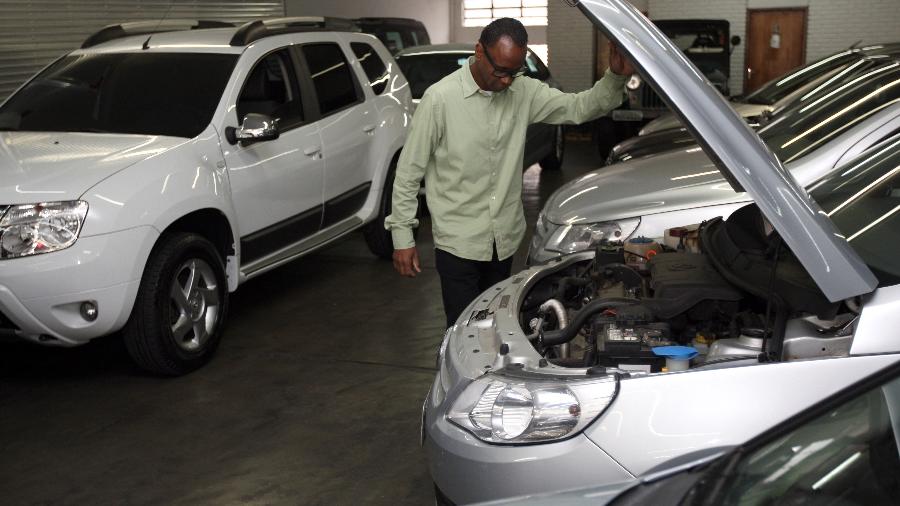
<point x="503" y="58"/>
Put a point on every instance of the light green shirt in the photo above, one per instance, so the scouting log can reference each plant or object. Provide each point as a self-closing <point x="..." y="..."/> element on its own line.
<point x="469" y="148"/>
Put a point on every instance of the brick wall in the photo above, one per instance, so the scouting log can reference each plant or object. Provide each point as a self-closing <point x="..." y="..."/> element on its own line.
<point x="836" y="25"/>
<point x="832" y="25"/>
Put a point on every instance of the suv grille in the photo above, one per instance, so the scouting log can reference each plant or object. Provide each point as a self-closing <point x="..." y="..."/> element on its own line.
<point x="650" y="100"/>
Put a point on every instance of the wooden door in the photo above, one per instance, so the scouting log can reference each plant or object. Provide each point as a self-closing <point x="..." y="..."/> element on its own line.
<point x="776" y="43"/>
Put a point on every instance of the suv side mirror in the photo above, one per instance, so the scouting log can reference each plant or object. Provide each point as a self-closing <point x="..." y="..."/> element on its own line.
<point x="255" y="128"/>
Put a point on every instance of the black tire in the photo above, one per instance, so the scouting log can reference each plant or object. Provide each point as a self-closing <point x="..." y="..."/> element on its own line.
<point x="171" y="334"/>
<point x="378" y="239"/>
<point x="554" y="159"/>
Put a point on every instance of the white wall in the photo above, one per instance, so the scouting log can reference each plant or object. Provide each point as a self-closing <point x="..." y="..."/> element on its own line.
<point x="434" y="13"/>
<point x="832" y="25"/>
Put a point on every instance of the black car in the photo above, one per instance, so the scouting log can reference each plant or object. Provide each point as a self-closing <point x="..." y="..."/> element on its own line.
<point x="395" y="33"/>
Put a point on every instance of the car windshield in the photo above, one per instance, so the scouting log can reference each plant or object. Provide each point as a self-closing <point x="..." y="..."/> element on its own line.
<point x="428" y="67"/>
<point x="173" y="94"/>
<point x="862" y="198"/>
<point x="811" y="123"/>
<point x="846" y="456"/>
<point x="782" y="86"/>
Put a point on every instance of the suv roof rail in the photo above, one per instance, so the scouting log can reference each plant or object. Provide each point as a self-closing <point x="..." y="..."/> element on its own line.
<point x="260" y="28"/>
<point x="389" y="20"/>
<point x="113" y="32"/>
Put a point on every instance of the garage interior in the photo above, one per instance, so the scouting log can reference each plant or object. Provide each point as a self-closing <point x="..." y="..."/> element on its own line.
<point x="315" y="393"/>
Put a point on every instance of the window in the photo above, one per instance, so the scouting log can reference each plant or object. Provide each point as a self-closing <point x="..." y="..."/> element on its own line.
<point x="332" y="78"/>
<point x="271" y="89"/>
<point x="172" y="94"/>
<point x="372" y="65"/>
<point x="482" y="12"/>
<point x="848" y="456"/>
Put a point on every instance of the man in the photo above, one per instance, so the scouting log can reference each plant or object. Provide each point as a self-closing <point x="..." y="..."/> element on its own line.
<point x="467" y="140"/>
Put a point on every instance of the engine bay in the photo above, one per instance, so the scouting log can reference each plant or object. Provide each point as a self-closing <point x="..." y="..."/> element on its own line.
<point x="725" y="288"/>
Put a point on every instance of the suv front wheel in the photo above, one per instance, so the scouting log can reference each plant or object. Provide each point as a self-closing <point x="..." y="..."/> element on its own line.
<point x="177" y="319"/>
<point x="379" y="239"/>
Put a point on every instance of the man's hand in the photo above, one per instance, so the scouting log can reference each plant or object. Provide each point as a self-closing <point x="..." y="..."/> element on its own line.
<point x="618" y="62"/>
<point x="406" y="261"/>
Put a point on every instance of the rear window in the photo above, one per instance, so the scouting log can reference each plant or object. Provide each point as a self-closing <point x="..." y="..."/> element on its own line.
<point x="428" y="67"/>
<point x="334" y="83"/>
<point x="372" y="65"/>
<point x="173" y="94"/>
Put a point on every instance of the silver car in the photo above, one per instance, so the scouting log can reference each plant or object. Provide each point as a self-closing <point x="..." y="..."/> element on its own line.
<point x="785" y="89"/>
<point x="843" y="451"/>
<point x="644" y="196"/>
<point x="554" y="378"/>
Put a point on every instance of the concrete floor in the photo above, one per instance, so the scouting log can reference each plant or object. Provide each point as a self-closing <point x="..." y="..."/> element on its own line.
<point x="314" y="396"/>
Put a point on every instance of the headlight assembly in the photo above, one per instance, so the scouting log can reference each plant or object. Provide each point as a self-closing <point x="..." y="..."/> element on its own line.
<point x="509" y="410"/>
<point x="581" y="237"/>
<point x="32" y="229"/>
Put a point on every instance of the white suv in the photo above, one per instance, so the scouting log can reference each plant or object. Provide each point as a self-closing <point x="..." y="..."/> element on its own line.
<point x="144" y="177"/>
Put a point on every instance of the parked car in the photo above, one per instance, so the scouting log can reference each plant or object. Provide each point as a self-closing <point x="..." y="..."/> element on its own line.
<point x="861" y="71"/>
<point x="785" y="89"/>
<point x="553" y="377"/>
<point x="646" y="195"/>
<point x="841" y="451"/>
<point x="144" y="177"/>
<point x="426" y="65"/>
<point x="396" y="33"/>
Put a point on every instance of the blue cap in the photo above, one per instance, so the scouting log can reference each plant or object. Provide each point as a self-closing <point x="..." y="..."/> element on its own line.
<point x="676" y="352"/>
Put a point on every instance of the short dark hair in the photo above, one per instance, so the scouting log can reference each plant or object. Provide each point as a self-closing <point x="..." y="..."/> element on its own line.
<point x="504" y="27"/>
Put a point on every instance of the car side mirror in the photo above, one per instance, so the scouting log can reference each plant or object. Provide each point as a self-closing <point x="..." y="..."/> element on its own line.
<point x="255" y="128"/>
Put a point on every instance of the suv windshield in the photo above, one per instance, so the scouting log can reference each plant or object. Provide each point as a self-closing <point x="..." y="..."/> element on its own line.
<point x="808" y="125"/>
<point x="862" y="198"/>
<point x="428" y="67"/>
<point x="172" y="94"/>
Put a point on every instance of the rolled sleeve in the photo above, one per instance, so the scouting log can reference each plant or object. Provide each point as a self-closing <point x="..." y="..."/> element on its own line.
<point x="411" y="167"/>
<point x="550" y="105"/>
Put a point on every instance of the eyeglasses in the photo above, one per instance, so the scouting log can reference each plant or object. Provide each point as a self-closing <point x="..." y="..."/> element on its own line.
<point x="500" y="71"/>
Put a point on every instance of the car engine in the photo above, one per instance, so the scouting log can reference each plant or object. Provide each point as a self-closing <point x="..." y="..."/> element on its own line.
<point x="726" y="288"/>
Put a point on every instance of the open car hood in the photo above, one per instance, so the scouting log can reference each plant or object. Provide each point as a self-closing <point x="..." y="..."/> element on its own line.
<point x="737" y="151"/>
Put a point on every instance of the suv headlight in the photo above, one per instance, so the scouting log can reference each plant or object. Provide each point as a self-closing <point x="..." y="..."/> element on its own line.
<point x="40" y="228"/>
<point x="498" y="408"/>
<point x="581" y="237"/>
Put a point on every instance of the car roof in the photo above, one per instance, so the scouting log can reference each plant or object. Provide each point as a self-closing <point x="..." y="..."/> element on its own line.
<point x="737" y="151"/>
<point x="207" y="36"/>
<point x="438" y="48"/>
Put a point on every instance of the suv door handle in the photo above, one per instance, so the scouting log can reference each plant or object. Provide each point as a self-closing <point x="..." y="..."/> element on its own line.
<point x="369" y="129"/>
<point x="312" y="151"/>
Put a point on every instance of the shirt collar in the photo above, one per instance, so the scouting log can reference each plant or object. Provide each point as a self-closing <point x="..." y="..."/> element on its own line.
<point x="469" y="86"/>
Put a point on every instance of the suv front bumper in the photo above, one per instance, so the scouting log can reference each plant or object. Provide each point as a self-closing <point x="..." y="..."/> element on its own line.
<point x="42" y="294"/>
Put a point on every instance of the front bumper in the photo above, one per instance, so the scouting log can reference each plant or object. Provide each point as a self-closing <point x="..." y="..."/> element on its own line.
<point x="42" y="294"/>
<point x="467" y="470"/>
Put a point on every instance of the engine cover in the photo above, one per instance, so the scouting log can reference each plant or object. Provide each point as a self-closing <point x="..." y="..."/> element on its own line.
<point x="680" y="281"/>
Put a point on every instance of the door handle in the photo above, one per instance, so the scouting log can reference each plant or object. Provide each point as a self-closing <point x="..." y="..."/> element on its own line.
<point x="312" y="151"/>
<point x="369" y="129"/>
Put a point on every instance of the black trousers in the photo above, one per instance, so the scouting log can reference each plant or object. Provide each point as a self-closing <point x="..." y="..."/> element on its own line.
<point x="462" y="280"/>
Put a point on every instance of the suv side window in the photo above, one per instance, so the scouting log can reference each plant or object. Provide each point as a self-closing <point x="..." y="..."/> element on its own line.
<point x="335" y="85"/>
<point x="375" y="69"/>
<point x="271" y="89"/>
